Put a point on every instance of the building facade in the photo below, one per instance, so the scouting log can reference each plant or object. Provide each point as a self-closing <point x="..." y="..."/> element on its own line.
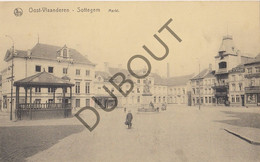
<point x="201" y="87"/>
<point x="63" y="62"/>
<point x="236" y="82"/>
<point x="252" y="80"/>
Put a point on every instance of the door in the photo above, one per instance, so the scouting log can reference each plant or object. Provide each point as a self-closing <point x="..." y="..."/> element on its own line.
<point x="243" y="100"/>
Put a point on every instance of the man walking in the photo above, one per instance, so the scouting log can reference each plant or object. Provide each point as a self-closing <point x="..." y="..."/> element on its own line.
<point x="129" y="118"/>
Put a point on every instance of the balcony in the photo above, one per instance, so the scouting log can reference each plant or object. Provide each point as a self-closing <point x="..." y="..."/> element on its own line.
<point x="221" y="93"/>
<point x="254" y="75"/>
<point x="222" y="71"/>
<point x="220" y="85"/>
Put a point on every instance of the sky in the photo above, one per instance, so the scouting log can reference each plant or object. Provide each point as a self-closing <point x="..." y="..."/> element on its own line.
<point x="116" y="37"/>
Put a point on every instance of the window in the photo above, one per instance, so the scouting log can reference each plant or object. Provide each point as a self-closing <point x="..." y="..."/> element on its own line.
<point x="233" y="77"/>
<point x="87" y="72"/>
<point x="77" y="87"/>
<point x="257" y="69"/>
<point x="201" y="100"/>
<point x="232" y="98"/>
<point x="65" y="70"/>
<point x="50" y="69"/>
<point x="87" y="102"/>
<point x="38" y="68"/>
<point x="37" y="89"/>
<point x="249" y="70"/>
<point x="251" y="98"/>
<point x="77" y="103"/>
<point x="213" y="81"/>
<point x="237" y="98"/>
<point x="240" y="86"/>
<point x="50" y="90"/>
<point x="154" y="99"/>
<point x="37" y="101"/>
<point x="50" y="101"/>
<point x="138" y="99"/>
<point x="183" y="91"/>
<point x="87" y="88"/>
<point x="206" y="99"/>
<point x="222" y="65"/>
<point x="234" y="87"/>
<point x="138" y="90"/>
<point x="252" y="82"/>
<point x="164" y="99"/>
<point x="77" y="71"/>
<point x="65" y="54"/>
<point x="209" y="99"/>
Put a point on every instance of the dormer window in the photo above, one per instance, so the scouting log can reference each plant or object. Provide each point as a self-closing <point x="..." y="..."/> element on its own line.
<point x="222" y="65"/>
<point x="65" y="54"/>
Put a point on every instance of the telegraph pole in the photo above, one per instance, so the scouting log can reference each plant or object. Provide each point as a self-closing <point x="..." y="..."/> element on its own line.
<point x="12" y="77"/>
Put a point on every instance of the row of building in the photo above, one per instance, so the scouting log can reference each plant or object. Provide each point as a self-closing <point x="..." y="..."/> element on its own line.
<point x="235" y="81"/>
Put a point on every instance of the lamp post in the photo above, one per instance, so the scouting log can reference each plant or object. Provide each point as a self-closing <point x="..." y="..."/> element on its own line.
<point x="12" y="77"/>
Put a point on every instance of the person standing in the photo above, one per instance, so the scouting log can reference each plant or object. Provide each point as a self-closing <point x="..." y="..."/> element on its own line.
<point x="129" y="118"/>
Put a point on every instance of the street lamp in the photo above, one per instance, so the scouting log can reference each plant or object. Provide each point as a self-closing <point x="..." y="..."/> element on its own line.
<point x="12" y="77"/>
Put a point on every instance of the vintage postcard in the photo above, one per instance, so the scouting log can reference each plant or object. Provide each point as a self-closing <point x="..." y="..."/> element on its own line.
<point x="151" y="81"/>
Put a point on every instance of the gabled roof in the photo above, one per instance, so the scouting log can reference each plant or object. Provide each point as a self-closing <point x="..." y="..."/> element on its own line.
<point x="201" y="75"/>
<point x="113" y="71"/>
<point x="106" y="76"/>
<point x="43" y="79"/>
<point x="46" y="51"/>
<point x="256" y="60"/>
<point x="158" y="80"/>
<point x="180" y="80"/>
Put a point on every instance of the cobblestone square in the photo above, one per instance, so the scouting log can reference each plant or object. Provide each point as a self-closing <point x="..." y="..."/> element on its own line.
<point x="179" y="134"/>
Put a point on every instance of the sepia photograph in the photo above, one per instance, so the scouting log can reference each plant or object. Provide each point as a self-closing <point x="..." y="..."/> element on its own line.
<point x="130" y="81"/>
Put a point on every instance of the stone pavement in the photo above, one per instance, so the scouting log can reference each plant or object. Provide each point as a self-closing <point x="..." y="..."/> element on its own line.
<point x="178" y="134"/>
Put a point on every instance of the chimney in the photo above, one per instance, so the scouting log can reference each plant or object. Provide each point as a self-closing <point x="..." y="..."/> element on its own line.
<point x="168" y="70"/>
<point x="106" y="66"/>
<point x="29" y="52"/>
<point x="210" y="67"/>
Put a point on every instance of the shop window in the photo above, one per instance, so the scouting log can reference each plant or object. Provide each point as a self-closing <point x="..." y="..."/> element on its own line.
<point x="251" y="98"/>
